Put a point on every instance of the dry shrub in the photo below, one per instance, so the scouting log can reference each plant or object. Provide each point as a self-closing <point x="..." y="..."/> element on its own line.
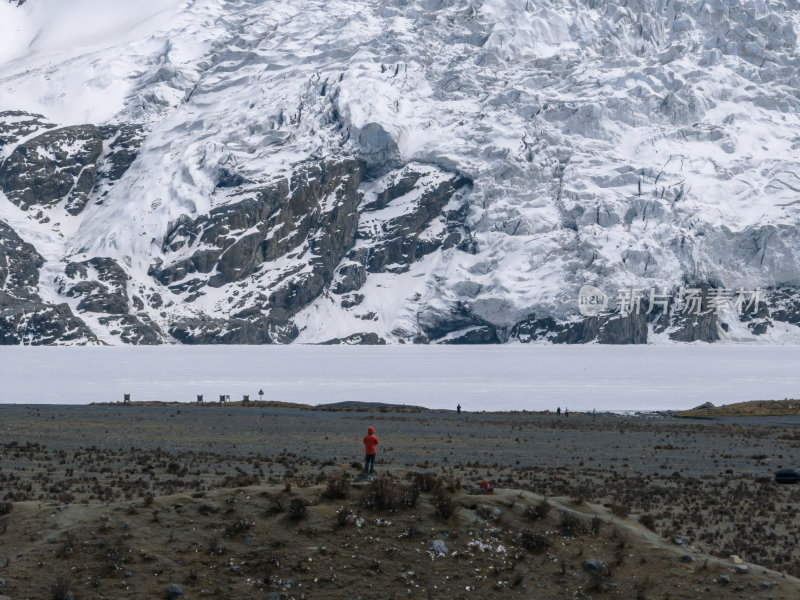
<point x="648" y="521"/>
<point x="344" y="516"/>
<point x="240" y="480"/>
<point x="297" y="509"/>
<point x="386" y="494"/>
<point x="68" y="546"/>
<point x="427" y="482"/>
<point x="532" y="541"/>
<point x="61" y="589"/>
<point x="215" y="546"/>
<point x="6" y="507"/>
<point x="538" y="511"/>
<point x="580" y="494"/>
<point x="620" y="510"/>
<point x="275" y="506"/>
<point x="237" y="526"/>
<point x="444" y="505"/>
<point x="570" y="524"/>
<point x="338" y="486"/>
<point x="597" y="524"/>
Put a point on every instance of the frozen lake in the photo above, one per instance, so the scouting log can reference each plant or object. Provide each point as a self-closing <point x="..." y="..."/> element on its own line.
<point x="510" y="377"/>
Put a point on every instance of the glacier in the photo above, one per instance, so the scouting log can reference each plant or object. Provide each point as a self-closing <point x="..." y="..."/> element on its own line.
<point x="426" y="171"/>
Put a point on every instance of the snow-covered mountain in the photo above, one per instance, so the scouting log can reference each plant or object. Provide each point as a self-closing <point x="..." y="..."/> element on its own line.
<point x="370" y="171"/>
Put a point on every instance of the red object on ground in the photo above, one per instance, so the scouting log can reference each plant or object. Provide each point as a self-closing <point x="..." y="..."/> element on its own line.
<point x="486" y="487"/>
<point x="370" y="441"/>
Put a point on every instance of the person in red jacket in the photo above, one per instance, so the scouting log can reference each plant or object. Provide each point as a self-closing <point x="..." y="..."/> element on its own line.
<point x="370" y="443"/>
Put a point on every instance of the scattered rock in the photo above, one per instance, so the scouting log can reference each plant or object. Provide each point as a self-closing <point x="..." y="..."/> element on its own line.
<point x="594" y="565"/>
<point x="686" y="558"/>
<point x="439" y="547"/>
<point x="174" y="591"/>
<point x="680" y="540"/>
<point x="723" y="580"/>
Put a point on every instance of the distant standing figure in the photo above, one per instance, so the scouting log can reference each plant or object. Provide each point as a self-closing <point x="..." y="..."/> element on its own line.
<point x="566" y="412"/>
<point x="370" y="450"/>
<point x="558" y="411"/>
<point x="594" y="414"/>
<point x="458" y="409"/>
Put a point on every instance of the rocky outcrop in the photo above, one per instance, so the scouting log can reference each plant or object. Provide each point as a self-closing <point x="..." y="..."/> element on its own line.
<point x="305" y="224"/>
<point x="604" y="329"/>
<point x="24" y="317"/>
<point x="102" y="286"/>
<point x="258" y="330"/>
<point x="58" y="165"/>
<point x="403" y="219"/>
<point x="15" y="125"/>
<point x="63" y="165"/>
<point x="357" y="339"/>
<point x="419" y="196"/>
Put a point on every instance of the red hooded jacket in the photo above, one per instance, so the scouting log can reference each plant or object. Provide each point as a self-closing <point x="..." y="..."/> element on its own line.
<point x="370" y="441"/>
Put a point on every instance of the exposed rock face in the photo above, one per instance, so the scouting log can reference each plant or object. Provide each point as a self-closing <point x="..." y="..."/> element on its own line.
<point x="58" y="165"/>
<point x="605" y="329"/>
<point x="102" y="286"/>
<point x="306" y="224"/>
<point x="15" y="124"/>
<point x="358" y="339"/>
<point x="404" y="218"/>
<point x="24" y="317"/>
<point x="63" y="165"/>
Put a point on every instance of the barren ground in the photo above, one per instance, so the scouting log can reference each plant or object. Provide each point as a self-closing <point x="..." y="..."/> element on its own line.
<point x="238" y="502"/>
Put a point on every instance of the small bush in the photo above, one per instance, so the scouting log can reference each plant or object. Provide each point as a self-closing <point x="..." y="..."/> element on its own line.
<point x="215" y="546"/>
<point x="570" y="523"/>
<point x="597" y="524"/>
<point x="648" y="521"/>
<point x="275" y="506"/>
<point x="444" y="505"/>
<point x="344" y="516"/>
<point x="532" y="541"/>
<point x="60" y="589"/>
<point x="297" y="509"/>
<point x="240" y="480"/>
<point x="67" y="547"/>
<point x="237" y="526"/>
<point x="386" y="494"/>
<point x="338" y="486"/>
<point x="427" y="482"/>
<point x="539" y="511"/>
<point x="580" y="494"/>
<point x="620" y="510"/>
<point x="6" y="507"/>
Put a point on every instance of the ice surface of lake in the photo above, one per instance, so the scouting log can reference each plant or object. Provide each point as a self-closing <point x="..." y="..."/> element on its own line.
<point x="509" y="377"/>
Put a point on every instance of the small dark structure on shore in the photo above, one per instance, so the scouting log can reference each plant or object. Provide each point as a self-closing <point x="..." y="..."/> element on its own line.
<point x="126" y="398"/>
<point x="787" y="476"/>
<point x="199" y="398"/>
